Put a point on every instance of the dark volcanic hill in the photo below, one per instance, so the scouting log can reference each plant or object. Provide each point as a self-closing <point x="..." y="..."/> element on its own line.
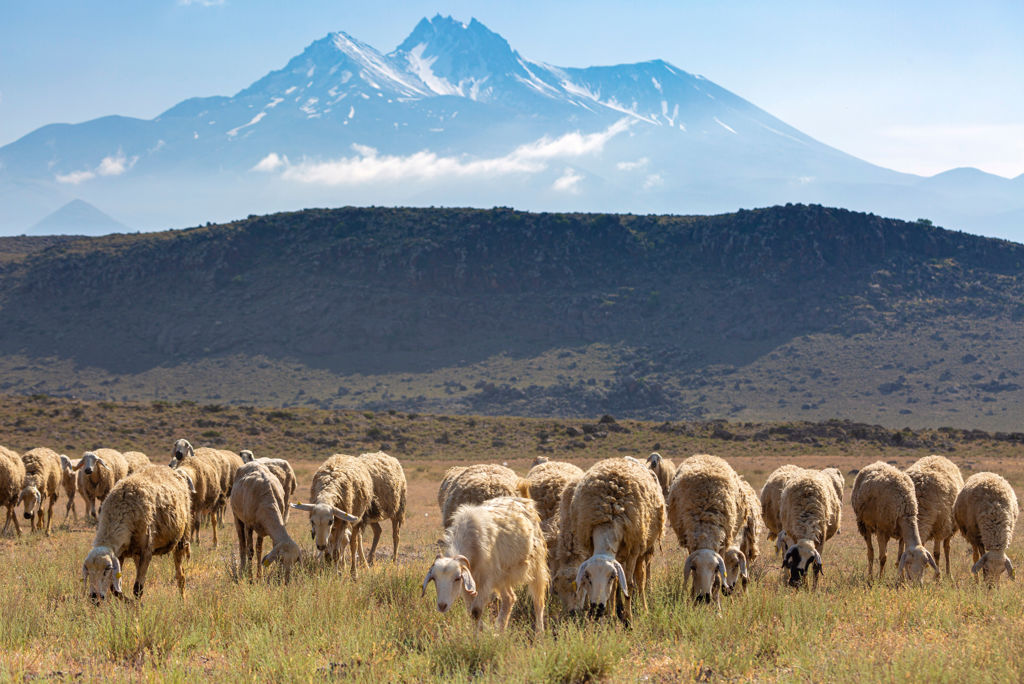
<point x="789" y="312"/>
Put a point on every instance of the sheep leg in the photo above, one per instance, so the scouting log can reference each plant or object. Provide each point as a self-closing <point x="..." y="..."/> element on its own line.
<point x="258" y="556"/>
<point x="396" y="535"/>
<point x="871" y="553"/>
<point x="243" y="553"/>
<point x="883" y="541"/>
<point x="12" y="514"/>
<point x="141" y="567"/>
<point x="538" y="592"/>
<point x="49" y="514"/>
<point x="213" y="526"/>
<point x="945" y="546"/>
<point x="508" y="599"/>
<point x="181" y="552"/>
<point x="355" y="547"/>
<point x="375" y="526"/>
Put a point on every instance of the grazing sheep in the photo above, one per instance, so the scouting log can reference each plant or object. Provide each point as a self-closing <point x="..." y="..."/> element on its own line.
<point x="342" y="490"/>
<point x="12" y="480"/>
<point x="67" y="483"/>
<point x="490" y="549"/>
<point x="811" y="513"/>
<point x="836" y="478"/>
<point x="565" y="558"/>
<point x="257" y="503"/>
<point x="986" y="512"/>
<point x="42" y="482"/>
<point x="937" y="482"/>
<point x="98" y="472"/>
<point x="663" y="469"/>
<point x="136" y="461"/>
<point x="281" y="469"/>
<point x="226" y="463"/>
<point x="146" y="514"/>
<point x="388" y="503"/>
<point x="616" y="520"/>
<point x="477" y="484"/>
<point x="548" y="481"/>
<point x="745" y="541"/>
<point x="771" y="495"/>
<point x="205" y="472"/>
<point x="447" y="481"/>
<point x="706" y="510"/>
<point x="885" y="504"/>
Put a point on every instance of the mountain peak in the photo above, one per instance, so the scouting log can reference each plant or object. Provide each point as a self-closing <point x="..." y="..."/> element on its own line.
<point x="77" y="217"/>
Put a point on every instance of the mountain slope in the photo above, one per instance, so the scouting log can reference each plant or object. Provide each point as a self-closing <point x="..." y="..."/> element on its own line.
<point x="77" y="217"/>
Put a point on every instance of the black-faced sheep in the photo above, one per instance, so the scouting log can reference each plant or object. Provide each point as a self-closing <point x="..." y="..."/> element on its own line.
<point x="12" y="480"/>
<point x="42" y="484"/>
<point x="477" y="484"/>
<point x="986" y="512"/>
<point x="98" y="472"/>
<point x="811" y="513"/>
<point x="388" y="503"/>
<point x="937" y="482"/>
<point x="490" y="549"/>
<point x="257" y="503"/>
<point x="146" y="514"/>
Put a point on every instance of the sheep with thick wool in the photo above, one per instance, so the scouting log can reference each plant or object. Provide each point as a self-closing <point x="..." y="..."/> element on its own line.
<point x="548" y="481"/>
<point x="68" y="480"/>
<point x="447" y="481"/>
<point x="771" y="495"/>
<point x="136" y="461"/>
<point x="203" y="468"/>
<point x="616" y="519"/>
<point x="281" y="469"/>
<point x="706" y="510"/>
<point x="476" y="484"/>
<point x="664" y="469"/>
<point x="98" y="472"/>
<point x="811" y="513"/>
<point x="42" y="484"/>
<point x="258" y="505"/>
<point x="490" y="549"/>
<point x="885" y="505"/>
<point x="937" y="482"/>
<point x="986" y="512"/>
<point x="225" y="462"/>
<point x="12" y="480"/>
<point x="146" y="514"/>
<point x="744" y="550"/>
<point x="388" y="503"/>
<point x="342" y="490"/>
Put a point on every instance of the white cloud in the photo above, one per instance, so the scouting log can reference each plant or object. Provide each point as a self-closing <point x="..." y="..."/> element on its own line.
<point x="569" y="181"/>
<point x="368" y="165"/>
<point x="653" y="180"/>
<point x="112" y="165"/>
<point x="632" y="165"/>
<point x="75" y="177"/>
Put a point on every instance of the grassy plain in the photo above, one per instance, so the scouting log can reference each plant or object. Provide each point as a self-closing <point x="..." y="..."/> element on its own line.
<point x="325" y="626"/>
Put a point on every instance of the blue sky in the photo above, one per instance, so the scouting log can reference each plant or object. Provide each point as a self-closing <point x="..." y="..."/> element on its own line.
<point x="916" y="86"/>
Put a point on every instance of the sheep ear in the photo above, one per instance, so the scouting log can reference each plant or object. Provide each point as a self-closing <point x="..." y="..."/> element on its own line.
<point x="621" y="574"/>
<point x="687" y="569"/>
<point x="579" y="572"/>
<point x="1009" y="569"/>
<point x="65" y="462"/>
<point x="427" y="580"/>
<point x="102" y="463"/>
<point x="468" y="583"/>
<point x="903" y="562"/>
<point x="818" y="564"/>
<point x="931" y="560"/>
<point x="979" y="565"/>
<point x="117" y="576"/>
<point x="721" y="570"/>
<point x="303" y="507"/>
<point x="78" y="465"/>
<point x="345" y="517"/>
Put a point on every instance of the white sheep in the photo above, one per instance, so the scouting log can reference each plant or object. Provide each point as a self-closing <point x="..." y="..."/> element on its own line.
<point x="67" y="483"/>
<point x="490" y="549"/>
<point x="388" y="503"/>
<point x="744" y="550"/>
<point x="281" y="469"/>
<point x="257" y="503"/>
<point x="476" y="484"/>
<point x="771" y="495"/>
<point x="226" y="463"/>
<point x="663" y="469"/>
<point x="986" y="512"/>
<point x="811" y="513"/>
<point x="204" y="470"/>
<point x="706" y="510"/>
<point x="12" y="480"/>
<point x="136" y="461"/>
<point x="885" y="505"/>
<point x="548" y="481"/>
<point x="937" y="482"/>
<point x="615" y="520"/>
<point x="146" y="514"/>
<point x="42" y="483"/>
<point x="98" y="472"/>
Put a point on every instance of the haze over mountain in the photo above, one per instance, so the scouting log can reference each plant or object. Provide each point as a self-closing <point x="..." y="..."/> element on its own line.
<point x="455" y="116"/>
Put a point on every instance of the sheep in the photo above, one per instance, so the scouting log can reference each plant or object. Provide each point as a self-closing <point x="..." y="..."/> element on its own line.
<point x="98" y="472"/>
<point x="491" y="548"/>
<point x="12" y="480"/>
<point x="836" y="478"/>
<point x="281" y="469"/>
<point x="67" y="483"/>
<point x="885" y="504"/>
<point x="663" y="469"/>
<point x="136" y="461"/>
<point x="388" y="503"/>
<point x="986" y="512"/>
<point x="706" y="510"/>
<point x="258" y="505"/>
<point x="146" y="514"/>
<point x="937" y="481"/>
<point x="447" y="481"/>
<point x="476" y="484"/>
<point x="811" y="514"/>
<point x="342" y="490"/>
<point x="205" y="472"/>
<point x="616" y="519"/>
<point x="548" y="481"/>
<point x="743" y="549"/>
<point x="42" y="482"/>
<point x="226" y="463"/>
<point x="771" y="493"/>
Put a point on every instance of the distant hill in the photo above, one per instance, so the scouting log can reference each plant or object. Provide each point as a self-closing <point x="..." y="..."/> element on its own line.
<point x="77" y="217"/>
<point x="795" y="312"/>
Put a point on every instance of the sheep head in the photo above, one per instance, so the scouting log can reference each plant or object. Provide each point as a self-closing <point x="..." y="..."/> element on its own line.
<point x="90" y="463"/>
<point x="246" y="456"/>
<point x="913" y="562"/>
<point x="597" y="579"/>
<point x="450" y="575"/>
<point x="182" y="450"/>
<point x="287" y="553"/>
<point x="101" y="573"/>
<point x="32" y="500"/>
<point x="709" y="575"/>
<point x="992" y="564"/>
<point x="735" y="568"/>
<point x="321" y="521"/>
<point x="563" y="584"/>
<point x="800" y="558"/>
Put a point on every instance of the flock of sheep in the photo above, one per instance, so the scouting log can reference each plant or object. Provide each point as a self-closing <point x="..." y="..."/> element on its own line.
<point x="588" y="536"/>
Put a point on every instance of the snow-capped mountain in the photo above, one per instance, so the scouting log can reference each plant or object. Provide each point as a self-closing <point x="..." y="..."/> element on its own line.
<point x="455" y="116"/>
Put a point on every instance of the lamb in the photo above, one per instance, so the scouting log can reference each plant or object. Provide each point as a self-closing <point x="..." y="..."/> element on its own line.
<point x="67" y="483"/>
<point x="281" y="469"/>
<point x="663" y="469"/>
<point x="986" y="512"/>
<point x="548" y="481"/>
<point x="937" y="481"/>
<point x="617" y="518"/>
<point x="477" y="484"/>
<point x="136" y="461"/>
<point x="743" y="549"/>
<point x="98" y="472"/>
<point x="146" y="514"/>
<point x="492" y="548"/>
<point x="388" y="503"/>
<point x="258" y="505"/>
<point x="706" y="510"/>
<point x="205" y="473"/>
<point x="12" y="480"/>
<point x="885" y="504"/>
<point x="342" y="490"/>
<point x="42" y="482"/>
<point x="811" y="513"/>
